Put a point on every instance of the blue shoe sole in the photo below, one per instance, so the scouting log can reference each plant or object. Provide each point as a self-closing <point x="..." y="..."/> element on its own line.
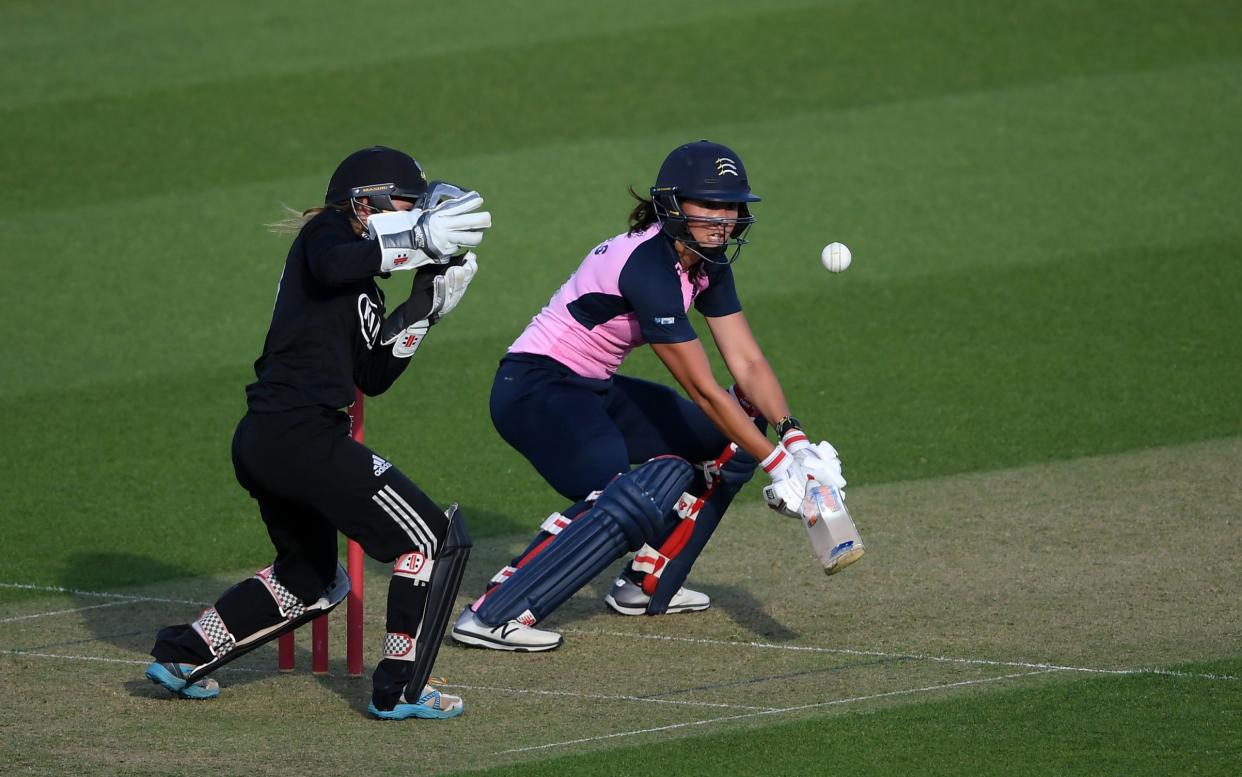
<point x="403" y="711"/>
<point x="157" y="674"/>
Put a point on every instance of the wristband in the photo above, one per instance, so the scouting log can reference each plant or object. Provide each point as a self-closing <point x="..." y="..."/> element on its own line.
<point x="795" y="440"/>
<point x="787" y="423"/>
<point x="776" y="461"/>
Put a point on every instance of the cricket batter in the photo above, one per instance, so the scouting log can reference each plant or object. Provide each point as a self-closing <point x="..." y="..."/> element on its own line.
<point x="294" y="453"/>
<point x="557" y="399"/>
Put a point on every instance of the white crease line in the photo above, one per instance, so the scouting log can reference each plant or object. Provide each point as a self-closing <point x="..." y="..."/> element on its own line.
<point x="62" y="612"/>
<point x="55" y="589"/>
<point x="782" y="710"/>
<point x="102" y="660"/>
<point x="760" y="645"/>
<point x="535" y="691"/>
<point x="606" y="697"/>
<point x="912" y="656"/>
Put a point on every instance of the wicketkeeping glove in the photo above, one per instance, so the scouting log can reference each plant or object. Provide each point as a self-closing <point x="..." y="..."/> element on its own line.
<point x="449" y="287"/>
<point x="452" y="225"/>
<point x="436" y="290"/>
<point x="409" y="239"/>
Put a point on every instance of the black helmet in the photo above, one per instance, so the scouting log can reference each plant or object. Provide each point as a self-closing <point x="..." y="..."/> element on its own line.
<point x="706" y="172"/>
<point x="379" y="173"/>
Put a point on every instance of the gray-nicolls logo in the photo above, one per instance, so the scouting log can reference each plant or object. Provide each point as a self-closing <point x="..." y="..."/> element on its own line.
<point x="369" y="319"/>
<point x="726" y="166"/>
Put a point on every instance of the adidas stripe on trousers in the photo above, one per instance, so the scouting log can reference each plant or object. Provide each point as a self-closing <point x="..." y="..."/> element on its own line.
<point x="311" y="480"/>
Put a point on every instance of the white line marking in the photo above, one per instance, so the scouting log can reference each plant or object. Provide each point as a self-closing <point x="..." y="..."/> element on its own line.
<point x="780" y="711"/>
<point x="62" y="612"/>
<point x="912" y="656"/>
<point x="757" y="645"/>
<point x="102" y="660"/>
<point x="55" y="589"/>
<point x="532" y="691"/>
<point x="606" y="697"/>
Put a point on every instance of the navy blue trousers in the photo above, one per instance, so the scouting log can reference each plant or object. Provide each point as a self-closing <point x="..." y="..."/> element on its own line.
<point x="579" y="433"/>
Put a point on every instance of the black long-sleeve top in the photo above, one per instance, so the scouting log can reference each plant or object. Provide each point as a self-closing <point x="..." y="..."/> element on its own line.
<point x="325" y="330"/>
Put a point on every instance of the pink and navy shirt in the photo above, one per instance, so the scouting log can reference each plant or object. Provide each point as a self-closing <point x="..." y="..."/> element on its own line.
<point x="628" y="291"/>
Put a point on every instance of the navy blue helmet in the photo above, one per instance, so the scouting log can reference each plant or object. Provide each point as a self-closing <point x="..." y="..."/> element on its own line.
<point x="705" y="172"/>
<point x="379" y="173"/>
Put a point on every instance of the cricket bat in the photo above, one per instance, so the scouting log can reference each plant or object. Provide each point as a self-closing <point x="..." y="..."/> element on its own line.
<point x="834" y="538"/>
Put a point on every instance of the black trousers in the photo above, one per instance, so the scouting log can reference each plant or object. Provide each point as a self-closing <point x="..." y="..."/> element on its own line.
<point x="311" y="480"/>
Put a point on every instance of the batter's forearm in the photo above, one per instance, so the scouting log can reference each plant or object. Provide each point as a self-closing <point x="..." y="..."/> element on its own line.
<point x="763" y="390"/>
<point x="729" y="418"/>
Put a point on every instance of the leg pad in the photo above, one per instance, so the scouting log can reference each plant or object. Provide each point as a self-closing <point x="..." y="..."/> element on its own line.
<point x="630" y="511"/>
<point x="231" y="647"/>
<point x="446" y="574"/>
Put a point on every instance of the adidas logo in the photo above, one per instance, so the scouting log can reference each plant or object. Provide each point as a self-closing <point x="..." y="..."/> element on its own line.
<point x="379" y="465"/>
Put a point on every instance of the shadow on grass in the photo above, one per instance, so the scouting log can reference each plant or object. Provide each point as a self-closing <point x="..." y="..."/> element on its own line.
<point x="734" y="600"/>
<point x="131" y="629"/>
<point x="741" y="606"/>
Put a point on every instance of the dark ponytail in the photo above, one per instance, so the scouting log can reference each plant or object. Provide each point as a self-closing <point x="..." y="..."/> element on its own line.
<point x="643" y="215"/>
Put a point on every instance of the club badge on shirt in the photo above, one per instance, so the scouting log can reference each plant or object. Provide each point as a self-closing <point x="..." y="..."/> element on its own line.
<point x="368" y="319"/>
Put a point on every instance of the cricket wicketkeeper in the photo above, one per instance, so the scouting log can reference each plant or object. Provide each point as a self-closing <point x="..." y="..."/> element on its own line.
<point x="558" y="400"/>
<point x="294" y="453"/>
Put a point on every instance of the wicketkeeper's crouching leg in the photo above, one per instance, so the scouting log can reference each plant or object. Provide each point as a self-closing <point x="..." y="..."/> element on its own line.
<point x="420" y="600"/>
<point x="250" y="614"/>
<point x="258" y="610"/>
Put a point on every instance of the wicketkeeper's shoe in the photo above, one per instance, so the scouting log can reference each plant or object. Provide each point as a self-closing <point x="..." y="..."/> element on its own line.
<point x="432" y="704"/>
<point x="512" y="635"/>
<point x="628" y="598"/>
<point x="172" y="676"/>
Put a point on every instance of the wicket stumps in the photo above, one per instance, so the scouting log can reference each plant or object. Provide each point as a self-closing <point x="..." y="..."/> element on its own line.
<point x="353" y="603"/>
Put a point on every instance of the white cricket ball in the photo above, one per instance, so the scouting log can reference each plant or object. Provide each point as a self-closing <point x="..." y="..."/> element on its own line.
<point x="835" y="257"/>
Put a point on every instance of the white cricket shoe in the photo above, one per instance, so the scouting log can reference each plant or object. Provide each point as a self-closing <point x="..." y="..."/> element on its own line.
<point x="628" y="598"/>
<point x="513" y="635"/>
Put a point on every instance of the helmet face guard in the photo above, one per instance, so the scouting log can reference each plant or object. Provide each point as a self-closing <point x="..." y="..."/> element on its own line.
<point x="675" y="223"/>
<point x="711" y="174"/>
<point x="381" y="195"/>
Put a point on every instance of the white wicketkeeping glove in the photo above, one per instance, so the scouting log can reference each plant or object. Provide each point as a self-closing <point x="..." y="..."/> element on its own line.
<point x="400" y="243"/>
<point x="448" y="289"/>
<point x="788" y="486"/>
<point x="452" y="225"/>
<point x="412" y="238"/>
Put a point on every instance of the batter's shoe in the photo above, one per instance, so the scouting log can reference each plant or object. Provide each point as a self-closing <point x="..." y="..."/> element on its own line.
<point x="628" y="598"/>
<point x="512" y="635"/>
<point x="172" y="676"/>
<point x="431" y="705"/>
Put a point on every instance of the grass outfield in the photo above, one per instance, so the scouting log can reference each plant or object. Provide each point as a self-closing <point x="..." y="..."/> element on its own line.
<point x="1042" y="205"/>
<point x="1038" y="641"/>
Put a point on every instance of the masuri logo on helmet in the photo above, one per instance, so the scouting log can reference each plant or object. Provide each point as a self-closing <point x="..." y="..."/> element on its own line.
<point x="379" y="173"/>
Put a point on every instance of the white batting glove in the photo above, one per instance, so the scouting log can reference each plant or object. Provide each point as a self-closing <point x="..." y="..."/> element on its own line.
<point x="820" y="461"/>
<point x="452" y="225"/>
<point x="788" y="486"/>
<point x="796" y="442"/>
<point x="448" y="289"/>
